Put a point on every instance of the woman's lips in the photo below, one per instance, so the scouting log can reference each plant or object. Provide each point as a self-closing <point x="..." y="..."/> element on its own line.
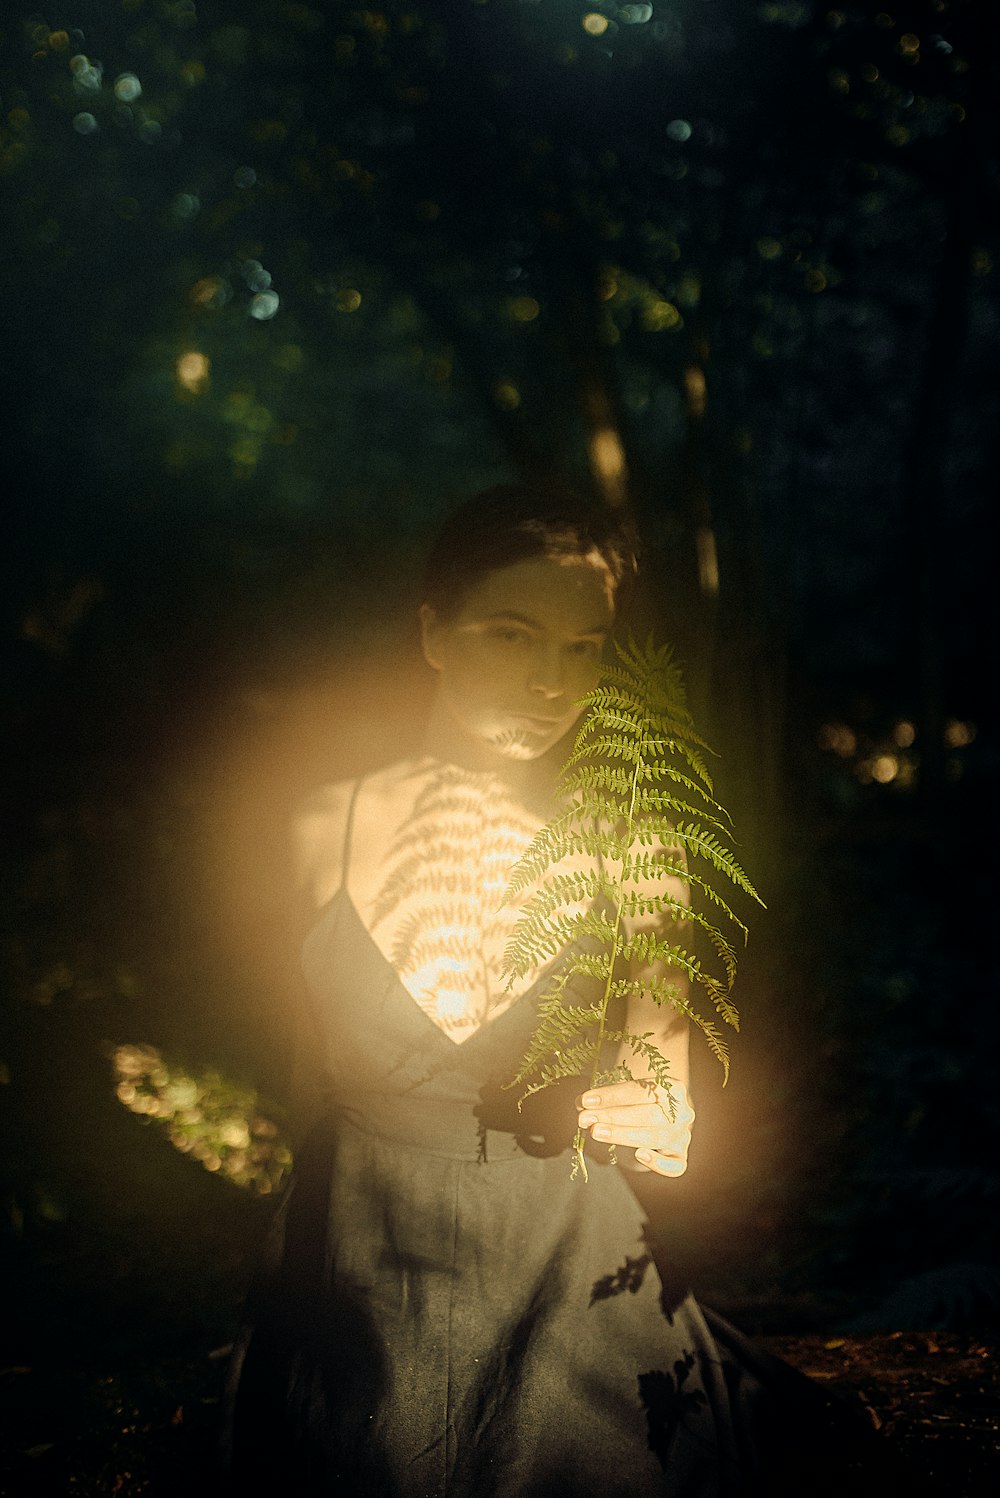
<point x="539" y="725"/>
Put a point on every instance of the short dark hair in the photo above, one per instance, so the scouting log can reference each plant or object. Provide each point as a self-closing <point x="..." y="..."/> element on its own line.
<point x="513" y="523"/>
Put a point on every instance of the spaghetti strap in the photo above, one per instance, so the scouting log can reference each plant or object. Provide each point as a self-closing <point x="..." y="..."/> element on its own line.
<point x="345" y="857"/>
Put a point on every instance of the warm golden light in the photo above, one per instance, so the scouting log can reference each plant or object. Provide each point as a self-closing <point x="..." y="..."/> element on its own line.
<point x="708" y="561"/>
<point x="957" y="735"/>
<point x="904" y="733"/>
<point x="594" y="24"/>
<point x="839" y="739"/>
<point x="205" y="292"/>
<point x="607" y="453"/>
<point x="438" y="916"/>
<point x="192" y="372"/>
<point x="695" y="389"/>
<point x="884" y="768"/>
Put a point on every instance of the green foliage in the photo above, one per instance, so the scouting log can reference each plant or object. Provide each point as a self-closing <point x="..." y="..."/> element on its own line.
<point x="206" y="1116"/>
<point x="638" y="809"/>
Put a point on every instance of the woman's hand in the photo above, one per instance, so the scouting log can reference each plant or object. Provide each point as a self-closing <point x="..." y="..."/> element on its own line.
<point x="639" y="1117"/>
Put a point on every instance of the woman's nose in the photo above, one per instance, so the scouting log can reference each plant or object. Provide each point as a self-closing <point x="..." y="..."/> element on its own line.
<point x="547" y="679"/>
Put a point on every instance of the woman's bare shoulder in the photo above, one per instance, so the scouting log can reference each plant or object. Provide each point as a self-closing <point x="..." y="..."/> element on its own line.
<point x="319" y="824"/>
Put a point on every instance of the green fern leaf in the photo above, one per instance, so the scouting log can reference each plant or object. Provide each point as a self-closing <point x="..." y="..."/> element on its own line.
<point x="639" y="812"/>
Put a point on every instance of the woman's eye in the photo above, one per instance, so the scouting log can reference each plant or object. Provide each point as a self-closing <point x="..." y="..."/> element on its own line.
<point x="585" y="649"/>
<point x="509" y="636"/>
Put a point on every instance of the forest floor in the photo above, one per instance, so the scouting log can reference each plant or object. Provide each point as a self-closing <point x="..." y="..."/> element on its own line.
<point x="933" y="1395"/>
<point x="147" y="1426"/>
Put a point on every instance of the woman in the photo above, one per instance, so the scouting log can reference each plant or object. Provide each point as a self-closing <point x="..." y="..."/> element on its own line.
<point x="447" y="1311"/>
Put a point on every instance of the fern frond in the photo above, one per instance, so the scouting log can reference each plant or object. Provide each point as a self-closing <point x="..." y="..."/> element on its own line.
<point x="568" y="889"/>
<point x="570" y="1063"/>
<point x="717" y="1044"/>
<point x="626" y="697"/>
<point x="647" y="867"/>
<point x="659" y="1067"/>
<point x="558" y="1030"/>
<point x="647" y="798"/>
<point x="694" y="839"/>
<point x="546" y="850"/>
<point x="650" y="948"/>
<point x="657" y="772"/>
<point x="639" y="804"/>
<point x="548" y="935"/>
<point x="687" y="751"/>
<point x="725" y="951"/>
<point x="598" y="778"/>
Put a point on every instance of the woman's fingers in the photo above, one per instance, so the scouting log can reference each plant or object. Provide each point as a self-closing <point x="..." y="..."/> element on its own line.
<point x="663" y="1165"/>
<point x="672" y="1139"/>
<point x="621" y="1094"/>
<point x="645" y="1115"/>
<point x="636" y="1107"/>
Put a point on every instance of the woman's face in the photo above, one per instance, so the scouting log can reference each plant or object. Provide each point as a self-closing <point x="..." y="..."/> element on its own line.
<point x="525" y="644"/>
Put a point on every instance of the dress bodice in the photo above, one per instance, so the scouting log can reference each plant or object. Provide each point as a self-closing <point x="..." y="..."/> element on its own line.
<point x="398" y="1072"/>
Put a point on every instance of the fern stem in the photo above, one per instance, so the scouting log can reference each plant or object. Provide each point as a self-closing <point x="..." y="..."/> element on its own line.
<point x="619" y="907"/>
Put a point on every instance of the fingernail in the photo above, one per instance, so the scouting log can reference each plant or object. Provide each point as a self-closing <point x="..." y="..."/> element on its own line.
<point x="591" y="1099"/>
<point x="646" y="1156"/>
<point x="602" y="1132"/>
<point x="586" y="1119"/>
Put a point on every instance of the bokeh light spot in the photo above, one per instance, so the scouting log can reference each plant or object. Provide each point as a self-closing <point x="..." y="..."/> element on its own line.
<point x="192" y="371"/>
<point x="838" y="739"/>
<point x="660" y="315"/>
<point x="85" y="124"/>
<point x="523" y="308"/>
<point x="256" y="277"/>
<point x="506" y="395"/>
<point x="348" y="299"/>
<point x="264" y="305"/>
<point x="210" y="291"/>
<point x="679" y="130"/>
<point x="884" y="768"/>
<point x="594" y="24"/>
<point x="86" y="74"/>
<point x="127" y="88"/>
<point x="958" y="735"/>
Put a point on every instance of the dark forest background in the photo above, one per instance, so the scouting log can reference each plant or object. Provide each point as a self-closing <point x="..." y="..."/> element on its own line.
<point x="281" y="283"/>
